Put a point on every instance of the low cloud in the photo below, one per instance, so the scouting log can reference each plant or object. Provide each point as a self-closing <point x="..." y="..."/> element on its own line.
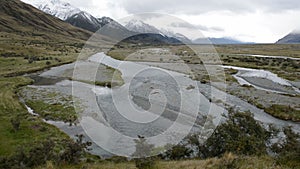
<point x="200" y="27"/>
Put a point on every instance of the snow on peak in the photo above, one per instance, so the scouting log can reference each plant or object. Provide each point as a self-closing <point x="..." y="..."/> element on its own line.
<point x="178" y="36"/>
<point x="141" y="27"/>
<point x="136" y="22"/>
<point x="57" y="8"/>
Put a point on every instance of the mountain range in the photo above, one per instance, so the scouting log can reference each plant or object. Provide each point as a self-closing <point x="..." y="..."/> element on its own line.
<point x="84" y="20"/>
<point x="70" y="14"/>
<point x="216" y="41"/>
<point x="142" y="27"/>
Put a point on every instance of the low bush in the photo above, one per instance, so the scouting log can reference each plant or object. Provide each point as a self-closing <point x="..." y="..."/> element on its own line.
<point x="64" y="151"/>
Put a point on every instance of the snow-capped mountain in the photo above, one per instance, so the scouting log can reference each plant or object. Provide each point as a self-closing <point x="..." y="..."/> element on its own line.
<point x="72" y="15"/>
<point x="142" y="27"/>
<point x="139" y="26"/>
<point x="84" y="20"/>
<point x="178" y="36"/>
<point x="57" y="8"/>
<point x="182" y="38"/>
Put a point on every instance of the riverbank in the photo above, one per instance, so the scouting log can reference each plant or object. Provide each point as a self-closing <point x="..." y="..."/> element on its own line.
<point x="26" y="130"/>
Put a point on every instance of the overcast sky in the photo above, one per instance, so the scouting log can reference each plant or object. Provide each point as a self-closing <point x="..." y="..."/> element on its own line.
<point x="262" y="21"/>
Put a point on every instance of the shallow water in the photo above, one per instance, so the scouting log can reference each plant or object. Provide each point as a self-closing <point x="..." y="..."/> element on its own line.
<point x="263" y="80"/>
<point x="156" y="103"/>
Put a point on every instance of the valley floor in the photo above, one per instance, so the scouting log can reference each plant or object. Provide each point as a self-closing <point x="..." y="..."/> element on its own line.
<point x="33" y="130"/>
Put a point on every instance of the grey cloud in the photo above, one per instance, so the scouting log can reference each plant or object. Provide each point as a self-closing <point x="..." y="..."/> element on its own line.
<point x="190" y="26"/>
<point x="205" y="28"/>
<point x="202" y="6"/>
<point x="148" y="16"/>
<point x="80" y="4"/>
<point x="219" y="29"/>
<point x="182" y="25"/>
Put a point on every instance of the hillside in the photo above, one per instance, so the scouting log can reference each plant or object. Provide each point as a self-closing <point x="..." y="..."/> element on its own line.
<point x="32" y="40"/>
<point x="88" y="22"/>
<point x="20" y="18"/>
<point x="76" y="17"/>
<point x="292" y="38"/>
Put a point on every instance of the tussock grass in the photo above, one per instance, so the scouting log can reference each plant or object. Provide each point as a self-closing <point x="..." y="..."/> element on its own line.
<point x="284" y="112"/>
<point x="31" y="129"/>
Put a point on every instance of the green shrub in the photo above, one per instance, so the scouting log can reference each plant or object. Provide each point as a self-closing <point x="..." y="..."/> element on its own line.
<point x="73" y="151"/>
<point x="64" y="151"/>
<point x="178" y="152"/>
<point x="241" y="134"/>
<point x="288" y="152"/>
<point x="117" y="159"/>
<point x="142" y="154"/>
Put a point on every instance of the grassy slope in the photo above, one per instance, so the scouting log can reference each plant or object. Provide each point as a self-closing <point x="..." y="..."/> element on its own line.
<point x="19" y="18"/>
<point x="28" y="33"/>
<point x="32" y="129"/>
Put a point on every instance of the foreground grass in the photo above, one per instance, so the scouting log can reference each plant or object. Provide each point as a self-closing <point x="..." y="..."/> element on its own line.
<point x="21" y="54"/>
<point x="31" y="130"/>
<point x="228" y="161"/>
<point x="55" y="112"/>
